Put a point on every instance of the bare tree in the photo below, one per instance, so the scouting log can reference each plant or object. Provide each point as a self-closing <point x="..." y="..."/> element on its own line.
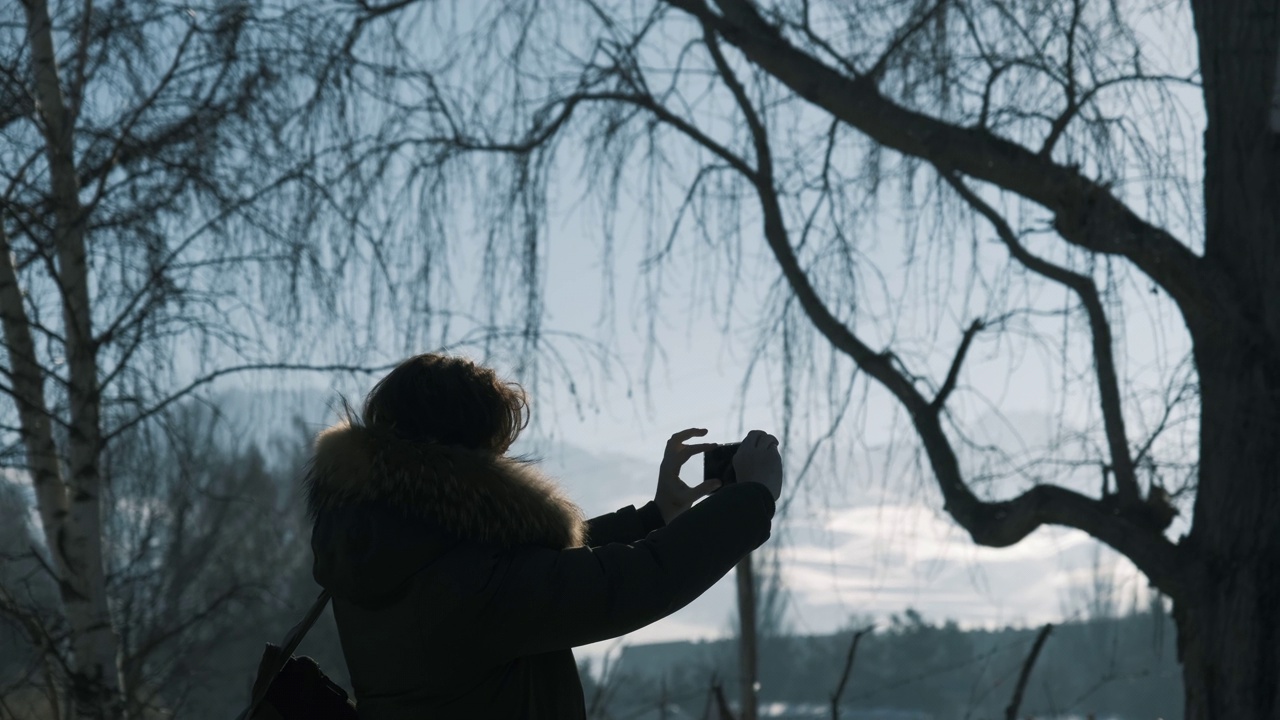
<point x="203" y="536"/>
<point x="191" y="192"/>
<point x="1061" y="127"/>
<point x="201" y="533"/>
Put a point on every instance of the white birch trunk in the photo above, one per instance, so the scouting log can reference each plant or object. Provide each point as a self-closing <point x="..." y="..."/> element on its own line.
<point x="33" y="415"/>
<point x="77" y="546"/>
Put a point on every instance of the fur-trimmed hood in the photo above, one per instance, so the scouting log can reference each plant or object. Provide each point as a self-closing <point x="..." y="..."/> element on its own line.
<point x="385" y="506"/>
<point x="474" y="495"/>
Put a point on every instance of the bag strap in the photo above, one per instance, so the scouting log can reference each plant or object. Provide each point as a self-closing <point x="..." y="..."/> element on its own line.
<point x="291" y="642"/>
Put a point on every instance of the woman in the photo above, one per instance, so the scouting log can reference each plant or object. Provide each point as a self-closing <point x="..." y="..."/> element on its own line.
<point x="462" y="578"/>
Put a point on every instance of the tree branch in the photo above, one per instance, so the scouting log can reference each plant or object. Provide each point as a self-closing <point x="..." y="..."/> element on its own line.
<point x="1074" y="102"/>
<point x="126" y="129"/>
<point x="848" y="666"/>
<point x="1103" y="353"/>
<point x="1011" y="712"/>
<point x="996" y="524"/>
<point x="953" y="374"/>
<point x="222" y="372"/>
<point x="158" y="636"/>
<point x="1086" y="213"/>
<point x="876" y="73"/>
<point x="805" y="27"/>
<point x="126" y="317"/>
<point x="542" y="133"/>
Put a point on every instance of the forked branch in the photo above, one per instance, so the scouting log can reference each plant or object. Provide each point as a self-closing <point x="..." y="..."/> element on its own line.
<point x="1103" y="353"/>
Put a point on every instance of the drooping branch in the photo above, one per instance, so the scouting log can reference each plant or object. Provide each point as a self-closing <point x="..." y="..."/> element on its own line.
<point x="1100" y="329"/>
<point x="1074" y="102"/>
<point x="1086" y="213"/>
<point x="150" y="295"/>
<point x="877" y="71"/>
<point x="125" y="131"/>
<point x="208" y="378"/>
<point x="978" y="153"/>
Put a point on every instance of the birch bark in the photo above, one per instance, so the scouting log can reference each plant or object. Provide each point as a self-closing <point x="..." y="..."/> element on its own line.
<point x="71" y="499"/>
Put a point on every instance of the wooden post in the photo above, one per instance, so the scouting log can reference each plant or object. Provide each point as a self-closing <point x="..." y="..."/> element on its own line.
<point x="747" y="668"/>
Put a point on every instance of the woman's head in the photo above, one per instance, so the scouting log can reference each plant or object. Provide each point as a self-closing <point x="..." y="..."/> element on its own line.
<point x="449" y="400"/>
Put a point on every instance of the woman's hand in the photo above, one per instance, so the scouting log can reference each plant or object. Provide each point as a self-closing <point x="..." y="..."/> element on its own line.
<point x="758" y="460"/>
<point x="674" y="496"/>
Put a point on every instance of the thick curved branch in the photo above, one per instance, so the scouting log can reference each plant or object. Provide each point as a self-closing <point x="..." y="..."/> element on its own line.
<point x="1086" y="213"/>
<point x="995" y="524"/>
<point x="1100" y="329"/>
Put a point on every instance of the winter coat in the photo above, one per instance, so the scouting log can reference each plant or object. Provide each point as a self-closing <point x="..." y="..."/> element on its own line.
<point x="461" y="579"/>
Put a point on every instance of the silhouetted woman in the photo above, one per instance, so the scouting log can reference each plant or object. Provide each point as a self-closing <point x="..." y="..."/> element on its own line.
<point x="462" y="578"/>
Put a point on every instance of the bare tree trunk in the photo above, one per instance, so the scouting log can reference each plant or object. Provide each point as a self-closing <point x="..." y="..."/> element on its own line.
<point x="33" y="414"/>
<point x="1228" y="634"/>
<point x="747" y="665"/>
<point x="1275" y="97"/>
<point x="1228" y="639"/>
<point x="75" y="538"/>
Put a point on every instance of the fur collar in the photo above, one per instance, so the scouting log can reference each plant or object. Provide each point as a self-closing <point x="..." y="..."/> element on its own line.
<point x="473" y="495"/>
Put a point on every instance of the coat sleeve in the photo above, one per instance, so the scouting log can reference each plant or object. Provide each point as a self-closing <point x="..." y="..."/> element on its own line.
<point x="625" y="525"/>
<point x="539" y="600"/>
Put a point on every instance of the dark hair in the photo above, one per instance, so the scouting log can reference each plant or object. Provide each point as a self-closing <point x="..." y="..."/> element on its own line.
<point x="449" y="400"/>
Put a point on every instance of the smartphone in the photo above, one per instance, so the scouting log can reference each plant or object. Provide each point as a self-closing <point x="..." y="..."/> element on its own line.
<point x="717" y="462"/>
